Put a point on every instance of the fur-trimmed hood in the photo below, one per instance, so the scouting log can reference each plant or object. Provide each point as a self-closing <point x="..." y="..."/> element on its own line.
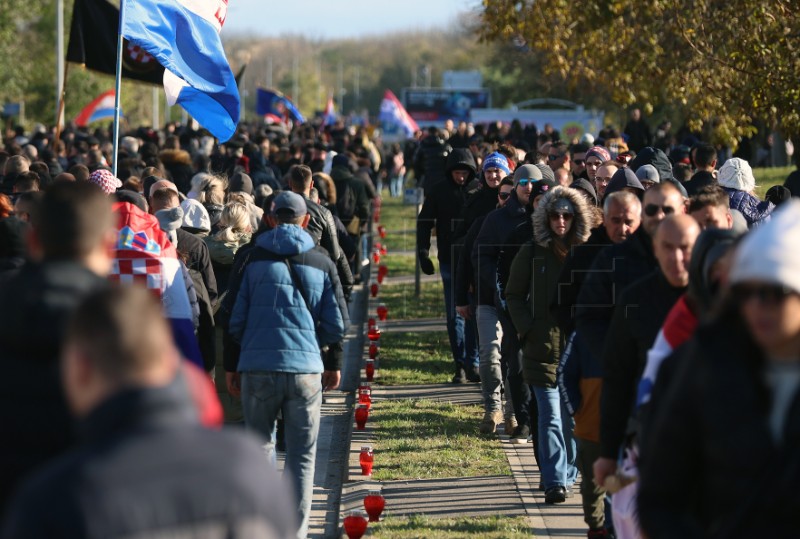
<point x="582" y="221"/>
<point x="177" y="157"/>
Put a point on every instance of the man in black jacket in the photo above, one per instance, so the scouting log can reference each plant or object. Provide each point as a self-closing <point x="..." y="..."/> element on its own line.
<point x="496" y="228"/>
<point x="321" y="225"/>
<point x="619" y="265"/>
<point x="638" y="317"/>
<point x="705" y="162"/>
<point x="442" y="210"/>
<point x="352" y="202"/>
<point x="146" y="466"/>
<point x="430" y="160"/>
<point x="70" y="248"/>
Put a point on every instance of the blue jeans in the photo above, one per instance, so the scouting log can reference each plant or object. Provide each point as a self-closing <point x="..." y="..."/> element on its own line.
<point x="396" y="185"/>
<point x="556" y="443"/>
<point x="455" y="324"/>
<point x="299" y="398"/>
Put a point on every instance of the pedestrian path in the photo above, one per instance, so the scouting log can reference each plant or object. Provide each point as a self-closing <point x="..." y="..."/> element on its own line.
<point x="340" y="487"/>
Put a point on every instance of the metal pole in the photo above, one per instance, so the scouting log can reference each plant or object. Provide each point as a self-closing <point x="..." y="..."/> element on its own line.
<point x="417" y="275"/>
<point x="319" y="84"/>
<point x="59" y="61"/>
<point x="269" y="73"/>
<point x="61" y="105"/>
<point x="357" y="87"/>
<point x="243" y="95"/>
<point x="118" y="86"/>
<point x="295" y="82"/>
<point x="339" y="89"/>
<point x="155" y="107"/>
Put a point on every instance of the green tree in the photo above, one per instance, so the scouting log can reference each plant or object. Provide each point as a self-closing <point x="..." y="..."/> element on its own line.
<point x="723" y="64"/>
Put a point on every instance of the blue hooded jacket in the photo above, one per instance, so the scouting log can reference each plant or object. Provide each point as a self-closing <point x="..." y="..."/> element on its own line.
<point x="270" y="319"/>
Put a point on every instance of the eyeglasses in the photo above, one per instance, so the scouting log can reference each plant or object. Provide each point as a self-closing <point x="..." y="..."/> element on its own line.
<point x="552" y="157"/>
<point x="652" y="209"/>
<point x="766" y="294"/>
<point x="503" y="196"/>
<point x="578" y="161"/>
<point x="525" y="181"/>
<point x="558" y="216"/>
<point x="602" y="180"/>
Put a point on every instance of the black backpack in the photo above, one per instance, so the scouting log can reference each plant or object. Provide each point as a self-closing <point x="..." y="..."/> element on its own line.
<point x="346" y="204"/>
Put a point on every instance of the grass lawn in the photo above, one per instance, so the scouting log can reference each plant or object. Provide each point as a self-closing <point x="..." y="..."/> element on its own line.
<point x="400" y="222"/>
<point x="422" y="527"/>
<point x="423" y="439"/>
<point x="403" y="305"/>
<point x="767" y="177"/>
<point x="400" y="265"/>
<point x="415" y="358"/>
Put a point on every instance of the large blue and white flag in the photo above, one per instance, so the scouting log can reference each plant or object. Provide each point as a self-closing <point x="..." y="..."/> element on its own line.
<point x="183" y="35"/>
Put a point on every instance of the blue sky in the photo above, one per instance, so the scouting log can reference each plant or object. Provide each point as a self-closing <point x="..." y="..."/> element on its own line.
<point x="339" y="18"/>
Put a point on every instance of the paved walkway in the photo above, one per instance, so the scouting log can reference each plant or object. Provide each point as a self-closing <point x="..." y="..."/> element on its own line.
<point x="339" y="486"/>
<point x="515" y="495"/>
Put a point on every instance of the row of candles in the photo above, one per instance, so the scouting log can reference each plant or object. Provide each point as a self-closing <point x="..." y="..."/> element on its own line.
<point x="355" y="524"/>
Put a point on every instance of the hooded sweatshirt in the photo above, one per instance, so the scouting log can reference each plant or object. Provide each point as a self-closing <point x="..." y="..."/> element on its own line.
<point x="443" y="206"/>
<point x="658" y="159"/>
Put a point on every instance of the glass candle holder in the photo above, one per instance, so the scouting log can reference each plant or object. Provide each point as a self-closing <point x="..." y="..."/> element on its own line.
<point x="366" y="459"/>
<point x="374" y="503"/>
<point x="362" y="414"/>
<point x="369" y="369"/>
<point x="355" y="525"/>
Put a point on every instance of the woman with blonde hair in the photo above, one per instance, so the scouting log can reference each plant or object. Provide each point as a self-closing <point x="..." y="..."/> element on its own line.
<point x="235" y="231"/>
<point x="209" y="190"/>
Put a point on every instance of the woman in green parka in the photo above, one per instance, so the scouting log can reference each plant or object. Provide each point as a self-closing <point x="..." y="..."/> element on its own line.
<point x="561" y="221"/>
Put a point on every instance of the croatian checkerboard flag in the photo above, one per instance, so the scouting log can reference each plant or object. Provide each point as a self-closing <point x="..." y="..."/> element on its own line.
<point x="183" y="35"/>
<point x="144" y="256"/>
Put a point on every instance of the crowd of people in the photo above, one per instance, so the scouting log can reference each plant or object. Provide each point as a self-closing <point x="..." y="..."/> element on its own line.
<point x="253" y="248"/>
<point x="629" y="310"/>
<point x="629" y="318"/>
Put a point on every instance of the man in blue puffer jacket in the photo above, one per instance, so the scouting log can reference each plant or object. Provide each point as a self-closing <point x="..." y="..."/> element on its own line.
<point x="289" y="305"/>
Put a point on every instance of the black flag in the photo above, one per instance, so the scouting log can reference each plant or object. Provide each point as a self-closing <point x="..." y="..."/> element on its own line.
<point x="93" y="43"/>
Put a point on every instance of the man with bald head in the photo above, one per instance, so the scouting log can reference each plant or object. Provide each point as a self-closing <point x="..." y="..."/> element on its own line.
<point x="639" y="315"/>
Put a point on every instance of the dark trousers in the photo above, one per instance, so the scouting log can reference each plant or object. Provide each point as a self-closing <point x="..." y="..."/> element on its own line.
<point x="519" y="390"/>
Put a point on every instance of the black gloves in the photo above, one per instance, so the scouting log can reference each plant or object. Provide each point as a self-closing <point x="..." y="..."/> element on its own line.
<point x="425" y="262"/>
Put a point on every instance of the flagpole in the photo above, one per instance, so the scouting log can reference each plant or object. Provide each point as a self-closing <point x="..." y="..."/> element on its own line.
<point x="60" y="68"/>
<point x="61" y="104"/>
<point x="117" y="87"/>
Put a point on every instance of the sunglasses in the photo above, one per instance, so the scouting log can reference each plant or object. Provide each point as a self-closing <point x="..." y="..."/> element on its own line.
<point x="578" y="161"/>
<point x="525" y="181"/>
<point x="558" y="216"/>
<point x="552" y="157"/>
<point x="766" y="294"/>
<point x="652" y="209"/>
<point x="503" y="196"/>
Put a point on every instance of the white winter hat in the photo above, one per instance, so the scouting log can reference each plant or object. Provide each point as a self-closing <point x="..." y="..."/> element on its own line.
<point x="195" y="215"/>
<point x="736" y="174"/>
<point x="771" y="252"/>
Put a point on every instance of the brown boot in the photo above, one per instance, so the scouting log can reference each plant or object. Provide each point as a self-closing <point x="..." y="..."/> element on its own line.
<point x="490" y="421"/>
